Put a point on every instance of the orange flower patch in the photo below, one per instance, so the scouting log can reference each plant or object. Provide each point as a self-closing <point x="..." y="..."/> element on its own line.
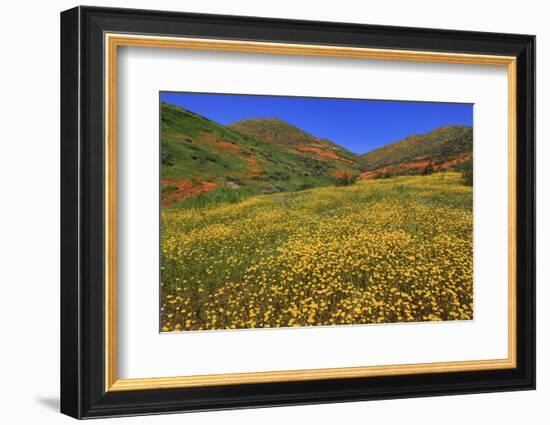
<point x="408" y="166"/>
<point x="209" y="137"/>
<point x="368" y="175"/>
<point x="229" y="147"/>
<point x="459" y="159"/>
<point x="324" y="153"/>
<point x="341" y="173"/>
<point x="184" y="189"/>
<point x="254" y="168"/>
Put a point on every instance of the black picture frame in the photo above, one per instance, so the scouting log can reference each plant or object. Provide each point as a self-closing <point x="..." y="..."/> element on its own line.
<point x="83" y="392"/>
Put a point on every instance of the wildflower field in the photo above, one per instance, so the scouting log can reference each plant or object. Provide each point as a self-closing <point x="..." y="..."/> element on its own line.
<point x="379" y="251"/>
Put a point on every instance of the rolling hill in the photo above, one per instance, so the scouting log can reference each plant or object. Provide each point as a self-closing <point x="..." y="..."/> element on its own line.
<point x="267" y="155"/>
<point x="277" y="132"/>
<point x="199" y="155"/>
<point x="442" y="148"/>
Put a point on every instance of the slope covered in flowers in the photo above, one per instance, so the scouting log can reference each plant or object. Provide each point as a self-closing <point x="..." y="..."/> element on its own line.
<point x="387" y="250"/>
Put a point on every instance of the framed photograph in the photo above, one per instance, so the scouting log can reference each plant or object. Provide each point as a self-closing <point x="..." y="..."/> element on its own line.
<point x="261" y="212"/>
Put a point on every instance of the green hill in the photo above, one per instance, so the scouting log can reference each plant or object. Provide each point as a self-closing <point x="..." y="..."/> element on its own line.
<point x="199" y="155"/>
<point x="281" y="133"/>
<point x="442" y="148"/>
<point x="272" y="130"/>
<point x="267" y="155"/>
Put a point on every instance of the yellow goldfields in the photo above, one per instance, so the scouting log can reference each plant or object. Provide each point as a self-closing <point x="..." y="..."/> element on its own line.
<point x="394" y="250"/>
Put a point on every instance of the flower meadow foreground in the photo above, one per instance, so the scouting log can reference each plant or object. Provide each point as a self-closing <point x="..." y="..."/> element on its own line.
<point x="380" y="251"/>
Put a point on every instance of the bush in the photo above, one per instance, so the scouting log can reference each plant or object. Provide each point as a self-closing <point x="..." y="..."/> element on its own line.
<point x="344" y="178"/>
<point x="384" y="175"/>
<point x="279" y="175"/>
<point x="429" y="169"/>
<point x="166" y="158"/>
<point x="467" y="171"/>
<point x="305" y="186"/>
<point x="274" y="188"/>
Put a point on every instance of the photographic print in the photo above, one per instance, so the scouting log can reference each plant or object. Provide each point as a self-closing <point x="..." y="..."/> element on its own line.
<point x="278" y="211"/>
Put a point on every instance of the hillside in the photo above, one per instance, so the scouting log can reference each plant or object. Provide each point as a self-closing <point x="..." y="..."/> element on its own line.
<point x="272" y="130"/>
<point x="267" y="155"/>
<point x="440" y="149"/>
<point x="199" y="155"/>
<point x="281" y="133"/>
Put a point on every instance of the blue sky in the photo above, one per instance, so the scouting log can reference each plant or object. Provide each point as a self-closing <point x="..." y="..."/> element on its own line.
<point x="358" y="125"/>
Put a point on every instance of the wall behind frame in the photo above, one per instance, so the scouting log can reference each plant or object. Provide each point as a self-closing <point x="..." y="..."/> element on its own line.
<point x="29" y="225"/>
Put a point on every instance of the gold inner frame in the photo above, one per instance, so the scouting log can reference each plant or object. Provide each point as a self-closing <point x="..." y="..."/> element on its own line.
<point x="113" y="41"/>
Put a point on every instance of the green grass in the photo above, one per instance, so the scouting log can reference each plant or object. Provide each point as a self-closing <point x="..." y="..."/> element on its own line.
<point x="221" y="195"/>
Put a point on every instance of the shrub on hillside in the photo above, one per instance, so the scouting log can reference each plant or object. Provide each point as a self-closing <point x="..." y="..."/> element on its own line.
<point x="305" y="186"/>
<point x="166" y="158"/>
<point x="429" y="169"/>
<point x="274" y="188"/>
<point x="384" y="175"/>
<point x="344" y="178"/>
<point x="467" y="170"/>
